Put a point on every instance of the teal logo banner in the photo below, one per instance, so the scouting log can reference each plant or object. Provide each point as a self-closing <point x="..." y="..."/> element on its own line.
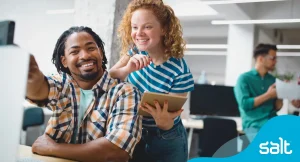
<point x="277" y="141"/>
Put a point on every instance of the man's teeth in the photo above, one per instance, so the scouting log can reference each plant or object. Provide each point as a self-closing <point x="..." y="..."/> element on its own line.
<point x="86" y="65"/>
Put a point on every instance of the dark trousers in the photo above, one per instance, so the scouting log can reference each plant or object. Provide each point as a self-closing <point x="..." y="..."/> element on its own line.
<point x="162" y="146"/>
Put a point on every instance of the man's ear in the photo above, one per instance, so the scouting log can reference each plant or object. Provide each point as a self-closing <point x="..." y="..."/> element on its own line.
<point x="260" y="58"/>
<point x="63" y="61"/>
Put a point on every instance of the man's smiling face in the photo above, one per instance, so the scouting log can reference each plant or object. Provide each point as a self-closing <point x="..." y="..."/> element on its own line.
<point x="82" y="57"/>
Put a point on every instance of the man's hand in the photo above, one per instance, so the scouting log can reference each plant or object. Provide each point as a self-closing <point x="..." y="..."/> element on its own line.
<point x="44" y="145"/>
<point x="33" y="69"/>
<point x="37" y="87"/>
<point x="272" y="91"/>
<point x="296" y="103"/>
<point x="278" y="104"/>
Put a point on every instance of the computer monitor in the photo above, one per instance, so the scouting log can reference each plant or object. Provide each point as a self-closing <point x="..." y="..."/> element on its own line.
<point x="213" y="100"/>
<point x="14" y="65"/>
<point x="7" y="29"/>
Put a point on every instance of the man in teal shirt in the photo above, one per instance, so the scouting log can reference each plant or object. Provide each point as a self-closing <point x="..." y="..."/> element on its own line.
<point x="255" y="91"/>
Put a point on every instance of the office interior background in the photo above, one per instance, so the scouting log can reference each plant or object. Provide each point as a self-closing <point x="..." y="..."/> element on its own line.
<point x="220" y="34"/>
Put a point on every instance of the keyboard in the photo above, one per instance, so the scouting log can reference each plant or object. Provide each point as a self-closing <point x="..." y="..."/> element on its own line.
<point x="28" y="159"/>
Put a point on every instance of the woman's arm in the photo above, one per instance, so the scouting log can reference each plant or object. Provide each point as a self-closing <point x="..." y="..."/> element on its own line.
<point x="128" y="64"/>
<point x="117" y="71"/>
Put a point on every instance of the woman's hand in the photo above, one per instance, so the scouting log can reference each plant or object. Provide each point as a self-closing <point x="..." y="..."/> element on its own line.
<point x="164" y="119"/>
<point x="137" y="62"/>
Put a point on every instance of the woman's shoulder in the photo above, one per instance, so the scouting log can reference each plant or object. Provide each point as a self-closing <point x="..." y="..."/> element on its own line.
<point x="179" y="64"/>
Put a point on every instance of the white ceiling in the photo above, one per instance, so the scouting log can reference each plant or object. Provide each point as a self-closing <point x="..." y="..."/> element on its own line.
<point x="197" y="26"/>
<point x="195" y="16"/>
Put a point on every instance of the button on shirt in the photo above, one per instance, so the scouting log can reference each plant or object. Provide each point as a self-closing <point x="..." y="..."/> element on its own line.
<point x="112" y="113"/>
<point x="249" y="86"/>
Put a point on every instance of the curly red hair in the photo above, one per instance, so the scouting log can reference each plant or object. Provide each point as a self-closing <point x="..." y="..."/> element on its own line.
<point x="172" y="40"/>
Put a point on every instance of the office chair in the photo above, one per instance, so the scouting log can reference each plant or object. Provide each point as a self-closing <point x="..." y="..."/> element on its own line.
<point x="33" y="116"/>
<point x="216" y="132"/>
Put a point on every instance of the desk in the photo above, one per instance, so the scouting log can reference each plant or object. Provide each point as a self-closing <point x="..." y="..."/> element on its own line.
<point x="25" y="151"/>
<point x="198" y="124"/>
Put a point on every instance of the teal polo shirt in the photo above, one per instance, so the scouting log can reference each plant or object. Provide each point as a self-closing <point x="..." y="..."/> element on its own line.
<point x="249" y="86"/>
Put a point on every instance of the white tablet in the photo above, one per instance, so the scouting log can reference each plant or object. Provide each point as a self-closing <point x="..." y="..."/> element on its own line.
<point x="175" y="102"/>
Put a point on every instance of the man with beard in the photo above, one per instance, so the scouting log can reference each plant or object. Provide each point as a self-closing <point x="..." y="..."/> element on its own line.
<point x="94" y="116"/>
<point x="255" y="91"/>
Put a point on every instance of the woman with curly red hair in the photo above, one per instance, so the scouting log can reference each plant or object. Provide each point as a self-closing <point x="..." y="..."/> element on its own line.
<point x="152" y="60"/>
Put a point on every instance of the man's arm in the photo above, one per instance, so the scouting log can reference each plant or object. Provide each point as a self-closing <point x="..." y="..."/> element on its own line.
<point x="37" y="86"/>
<point x="242" y="94"/>
<point x="123" y="133"/>
<point x="100" y="150"/>
<point x="270" y="94"/>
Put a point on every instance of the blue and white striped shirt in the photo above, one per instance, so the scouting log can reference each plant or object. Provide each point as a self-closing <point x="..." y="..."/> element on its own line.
<point x="173" y="76"/>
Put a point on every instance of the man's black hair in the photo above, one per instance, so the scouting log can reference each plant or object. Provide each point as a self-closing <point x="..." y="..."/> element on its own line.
<point x="60" y="47"/>
<point x="263" y="49"/>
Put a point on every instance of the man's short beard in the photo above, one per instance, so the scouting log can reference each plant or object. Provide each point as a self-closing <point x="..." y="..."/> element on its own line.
<point x="89" y="76"/>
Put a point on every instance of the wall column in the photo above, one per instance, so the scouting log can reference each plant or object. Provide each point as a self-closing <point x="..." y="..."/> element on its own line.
<point x="239" y="59"/>
<point x="103" y="17"/>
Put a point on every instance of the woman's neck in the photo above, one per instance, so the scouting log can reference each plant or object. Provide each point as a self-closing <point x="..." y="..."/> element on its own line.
<point x="157" y="56"/>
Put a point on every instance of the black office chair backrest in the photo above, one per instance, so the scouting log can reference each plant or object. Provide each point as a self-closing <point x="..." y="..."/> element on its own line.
<point x="32" y="117"/>
<point x="216" y="132"/>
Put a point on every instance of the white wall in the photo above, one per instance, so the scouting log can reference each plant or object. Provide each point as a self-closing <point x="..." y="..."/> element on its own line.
<point x="288" y="64"/>
<point x="266" y="36"/>
<point x="203" y="30"/>
<point x="36" y="31"/>
<point x="278" y="10"/>
<point x="239" y="52"/>
<point x="214" y="66"/>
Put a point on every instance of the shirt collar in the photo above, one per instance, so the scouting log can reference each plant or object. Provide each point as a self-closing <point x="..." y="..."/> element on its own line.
<point x="254" y="71"/>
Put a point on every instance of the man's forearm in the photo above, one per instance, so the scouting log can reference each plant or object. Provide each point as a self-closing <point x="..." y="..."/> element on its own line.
<point x="260" y="100"/>
<point x="100" y="150"/>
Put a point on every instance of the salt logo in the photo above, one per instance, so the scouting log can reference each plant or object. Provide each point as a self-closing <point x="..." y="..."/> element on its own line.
<point x="275" y="148"/>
